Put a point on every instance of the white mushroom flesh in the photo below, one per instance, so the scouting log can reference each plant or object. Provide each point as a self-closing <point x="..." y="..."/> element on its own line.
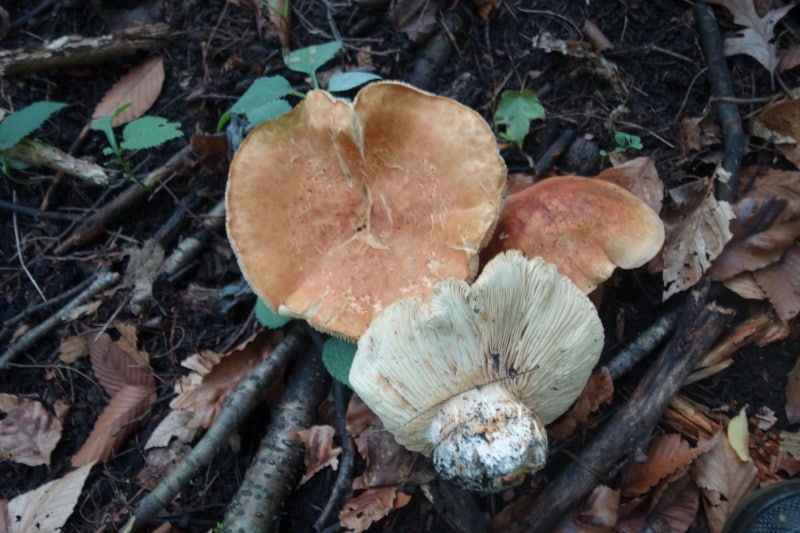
<point x="472" y="376"/>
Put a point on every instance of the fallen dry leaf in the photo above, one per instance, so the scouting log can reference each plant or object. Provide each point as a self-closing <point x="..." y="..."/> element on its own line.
<point x="205" y="390"/>
<point x="598" y="390"/>
<point x="599" y="513"/>
<point x="360" y="512"/>
<point x="724" y="480"/>
<point x="666" y="454"/>
<point x="115" y="423"/>
<point x="28" y="431"/>
<point x="640" y="177"/>
<point x="174" y="425"/>
<point x="793" y="395"/>
<point x="114" y="367"/>
<point x="73" y="348"/>
<point x="738" y="436"/>
<point x="140" y="87"/>
<point x="388" y="463"/>
<point x="756" y="36"/>
<point x="319" y="450"/>
<point x="144" y="266"/>
<point x="676" y="514"/>
<point x="47" y="508"/>
<point x="790" y="58"/>
<point x="697" y="231"/>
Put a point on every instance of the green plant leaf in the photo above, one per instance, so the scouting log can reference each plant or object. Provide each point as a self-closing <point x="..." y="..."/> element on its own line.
<point x="308" y="60"/>
<point x="25" y="121"/>
<point x="627" y="140"/>
<point x="261" y="93"/>
<point x="516" y="111"/>
<point x="270" y="110"/>
<point x="268" y="318"/>
<point x="149" y="132"/>
<point x="346" y="81"/>
<point x="338" y="355"/>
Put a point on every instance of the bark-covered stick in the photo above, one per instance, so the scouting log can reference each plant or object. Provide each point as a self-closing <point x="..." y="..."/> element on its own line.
<point x="277" y="466"/>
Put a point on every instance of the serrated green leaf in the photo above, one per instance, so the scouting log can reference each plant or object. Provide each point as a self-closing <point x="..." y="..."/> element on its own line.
<point x="270" y="110"/>
<point x="347" y="81"/>
<point x="261" y="92"/>
<point x="267" y="317"/>
<point x="308" y="60"/>
<point x="149" y="132"/>
<point x="516" y="111"/>
<point x="338" y="355"/>
<point x="25" y="121"/>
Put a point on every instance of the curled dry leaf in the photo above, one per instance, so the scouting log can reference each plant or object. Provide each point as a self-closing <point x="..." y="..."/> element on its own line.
<point x="388" y="463"/>
<point x="319" y="450"/>
<point x="28" y="431"/>
<point x="599" y="513"/>
<point x="599" y="390"/>
<point x="678" y="515"/>
<point x="174" y="425"/>
<point x="666" y="454"/>
<point x="697" y="231"/>
<point x="205" y="390"/>
<point x="117" y="421"/>
<point x="360" y="512"/>
<point x="73" y="348"/>
<point x="140" y="87"/>
<point x="639" y="177"/>
<point x="47" y="508"/>
<point x="724" y="480"/>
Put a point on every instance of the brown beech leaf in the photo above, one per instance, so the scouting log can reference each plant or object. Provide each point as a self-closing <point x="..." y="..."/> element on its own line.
<point x="599" y="513"/>
<point x="47" y="508"/>
<point x="28" y="432"/>
<point x="113" y="366"/>
<point x="677" y="515"/>
<point x="140" y="87"/>
<point x="360" y="512"/>
<point x="115" y="423"/>
<point x="697" y="231"/>
<point x="598" y="390"/>
<point x="640" y="177"/>
<point x="724" y="480"/>
<point x="319" y="450"/>
<point x="779" y="283"/>
<point x="666" y="454"/>
<point x="793" y="394"/>
<point x="213" y="376"/>
<point x="756" y="36"/>
<point x="73" y="348"/>
<point x="783" y="118"/>
<point x="388" y="463"/>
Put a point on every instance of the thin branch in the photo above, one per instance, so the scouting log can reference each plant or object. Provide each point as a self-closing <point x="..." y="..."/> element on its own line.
<point x="103" y="281"/>
<point x="238" y="405"/>
<point x="19" y="254"/>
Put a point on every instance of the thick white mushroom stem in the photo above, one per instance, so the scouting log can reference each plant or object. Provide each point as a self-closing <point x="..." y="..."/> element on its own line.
<point x="486" y="440"/>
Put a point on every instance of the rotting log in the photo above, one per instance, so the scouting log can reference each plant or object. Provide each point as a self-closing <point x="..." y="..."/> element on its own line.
<point x="630" y="427"/>
<point x="71" y="51"/>
<point x="277" y="466"/>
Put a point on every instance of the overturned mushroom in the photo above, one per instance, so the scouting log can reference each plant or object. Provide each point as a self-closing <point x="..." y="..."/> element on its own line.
<point x="472" y="377"/>
<point x="336" y="210"/>
<point x="586" y="227"/>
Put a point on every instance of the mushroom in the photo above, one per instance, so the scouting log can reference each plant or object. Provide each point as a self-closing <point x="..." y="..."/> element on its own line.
<point x="472" y="377"/>
<point x="336" y="210"/>
<point x="586" y="227"/>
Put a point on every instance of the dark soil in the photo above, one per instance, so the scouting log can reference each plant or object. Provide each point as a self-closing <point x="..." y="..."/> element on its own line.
<point x="214" y="52"/>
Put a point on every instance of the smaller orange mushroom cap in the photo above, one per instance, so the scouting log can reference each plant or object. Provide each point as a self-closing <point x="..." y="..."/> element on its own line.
<point x="586" y="227"/>
<point x="336" y="210"/>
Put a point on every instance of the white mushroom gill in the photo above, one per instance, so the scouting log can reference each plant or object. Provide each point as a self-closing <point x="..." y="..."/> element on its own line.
<point x="472" y="377"/>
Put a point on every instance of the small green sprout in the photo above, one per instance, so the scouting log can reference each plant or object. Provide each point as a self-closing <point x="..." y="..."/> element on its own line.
<point x="20" y="124"/>
<point x="624" y="141"/>
<point x="143" y="133"/>
<point x="516" y="111"/>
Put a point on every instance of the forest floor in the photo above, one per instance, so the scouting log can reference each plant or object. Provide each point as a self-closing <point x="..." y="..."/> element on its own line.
<point x="653" y="82"/>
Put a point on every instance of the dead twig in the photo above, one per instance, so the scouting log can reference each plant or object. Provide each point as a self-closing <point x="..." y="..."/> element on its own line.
<point x="721" y="87"/>
<point x="120" y="205"/>
<point x="238" y="405"/>
<point x="630" y="427"/>
<point x="188" y="248"/>
<point x="644" y="344"/>
<point x="104" y="280"/>
<point x="41" y="155"/>
<point x="277" y="466"/>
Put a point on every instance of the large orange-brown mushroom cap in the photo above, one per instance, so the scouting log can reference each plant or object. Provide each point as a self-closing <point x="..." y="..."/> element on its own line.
<point x="586" y="227"/>
<point x="336" y="210"/>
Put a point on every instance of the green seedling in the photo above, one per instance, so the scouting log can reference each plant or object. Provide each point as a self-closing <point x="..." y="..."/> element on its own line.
<point x="19" y="125"/>
<point x="140" y="134"/>
<point x="265" y="99"/>
<point x="516" y="111"/>
<point x="624" y="141"/>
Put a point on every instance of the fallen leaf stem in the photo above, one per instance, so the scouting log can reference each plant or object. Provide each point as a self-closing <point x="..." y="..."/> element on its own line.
<point x="237" y="407"/>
